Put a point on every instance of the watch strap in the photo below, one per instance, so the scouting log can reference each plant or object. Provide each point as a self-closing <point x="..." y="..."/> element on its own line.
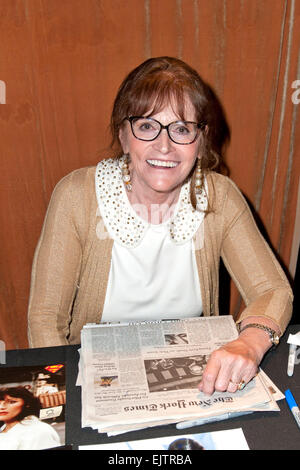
<point x="274" y="337"/>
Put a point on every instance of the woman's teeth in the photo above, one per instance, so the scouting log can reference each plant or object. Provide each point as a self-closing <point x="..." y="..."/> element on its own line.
<point x="162" y="163"/>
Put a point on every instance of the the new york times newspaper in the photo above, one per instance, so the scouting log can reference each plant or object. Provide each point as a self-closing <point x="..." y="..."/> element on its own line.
<point x="138" y="375"/>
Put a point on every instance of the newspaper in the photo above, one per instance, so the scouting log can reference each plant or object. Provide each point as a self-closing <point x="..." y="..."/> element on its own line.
<point x="138" y="375"/>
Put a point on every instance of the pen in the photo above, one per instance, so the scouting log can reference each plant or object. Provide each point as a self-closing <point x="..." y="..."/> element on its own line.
<point x="293" y="406"/>
<point x="211" y="419"/>
<point x="291" y="359"/>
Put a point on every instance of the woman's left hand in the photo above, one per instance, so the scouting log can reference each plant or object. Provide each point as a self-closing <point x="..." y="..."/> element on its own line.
<point x="235" y="362"/>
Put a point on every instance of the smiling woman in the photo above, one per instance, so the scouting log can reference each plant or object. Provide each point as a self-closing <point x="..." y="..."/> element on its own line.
<point x="166" y="136"/>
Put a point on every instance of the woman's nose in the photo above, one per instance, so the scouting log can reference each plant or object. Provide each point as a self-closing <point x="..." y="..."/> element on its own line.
<point x="163" y="142"/>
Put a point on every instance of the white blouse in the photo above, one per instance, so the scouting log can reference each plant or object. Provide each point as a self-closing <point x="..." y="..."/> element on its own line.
<point x="29" y="434"/>
<point x="153" y="273"/>
<point x="155" y="280"/>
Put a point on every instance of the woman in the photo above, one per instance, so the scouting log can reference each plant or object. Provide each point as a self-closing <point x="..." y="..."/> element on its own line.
<point x="20" y="428"/>
<point x="140" y="236"/>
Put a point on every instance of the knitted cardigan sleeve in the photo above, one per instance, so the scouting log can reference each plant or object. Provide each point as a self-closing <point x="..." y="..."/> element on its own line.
<point x="56" y="267"/>
<point x="252" y="264"/>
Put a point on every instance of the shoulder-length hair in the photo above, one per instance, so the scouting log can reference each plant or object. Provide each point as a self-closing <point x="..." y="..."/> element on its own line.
<point x="31" y="406"/>
<point x="162" y="81"/>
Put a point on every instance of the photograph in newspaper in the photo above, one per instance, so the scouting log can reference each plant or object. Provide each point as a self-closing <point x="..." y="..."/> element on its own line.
<point x="175" y="373"/>
<point x="179" y="338"/>
<point x="32" y="407"/>
<point x="106" y="381"/>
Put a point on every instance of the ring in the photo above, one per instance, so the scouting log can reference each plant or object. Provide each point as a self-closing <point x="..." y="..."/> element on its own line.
<point x="240" y="385"/>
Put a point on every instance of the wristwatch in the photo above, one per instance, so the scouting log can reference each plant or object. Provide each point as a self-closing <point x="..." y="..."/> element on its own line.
<point x="274" y="337"/>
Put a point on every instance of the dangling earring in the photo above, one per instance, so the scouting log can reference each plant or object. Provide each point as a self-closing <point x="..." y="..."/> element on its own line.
<point x="198" y="177"/>
<point x="126" y="174"/>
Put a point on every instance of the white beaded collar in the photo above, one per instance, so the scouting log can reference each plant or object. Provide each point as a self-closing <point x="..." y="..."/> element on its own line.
<point x="124" y="225"/>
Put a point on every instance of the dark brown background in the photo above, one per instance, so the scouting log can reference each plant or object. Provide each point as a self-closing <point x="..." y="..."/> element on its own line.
<point x="62" y="61"/>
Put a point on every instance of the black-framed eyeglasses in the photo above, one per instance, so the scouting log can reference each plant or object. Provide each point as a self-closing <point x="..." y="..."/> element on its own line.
<point x="180" y="132"/>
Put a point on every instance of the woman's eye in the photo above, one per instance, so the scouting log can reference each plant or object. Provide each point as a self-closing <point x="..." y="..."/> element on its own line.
<point x="146" y="126"/>
<point x="182" y="130"/>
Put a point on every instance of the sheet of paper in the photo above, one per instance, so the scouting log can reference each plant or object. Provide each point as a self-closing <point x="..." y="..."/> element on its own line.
<point x="233" y="439"/>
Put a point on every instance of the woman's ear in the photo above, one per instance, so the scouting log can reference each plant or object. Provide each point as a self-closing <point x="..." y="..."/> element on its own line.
<point x="123" y="137"/>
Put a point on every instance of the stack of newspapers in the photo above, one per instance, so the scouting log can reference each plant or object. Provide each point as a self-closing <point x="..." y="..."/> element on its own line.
<point x="138" y="375"/>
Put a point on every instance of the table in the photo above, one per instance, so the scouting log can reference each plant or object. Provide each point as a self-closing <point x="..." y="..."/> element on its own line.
<point x="263" y="430"/>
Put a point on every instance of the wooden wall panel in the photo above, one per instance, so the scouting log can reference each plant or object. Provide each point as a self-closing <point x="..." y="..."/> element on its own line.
<point x="22" y="198"/>
<point x="62" y="62"/>
<point x="270" y="121"/>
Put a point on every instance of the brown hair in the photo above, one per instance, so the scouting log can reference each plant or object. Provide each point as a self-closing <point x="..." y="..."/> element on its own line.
<point x="31" y="403"/>
<point x="167" y="80"/>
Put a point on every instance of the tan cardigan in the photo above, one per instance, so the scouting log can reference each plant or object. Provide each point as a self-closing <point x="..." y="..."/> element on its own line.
<point x="71" y="264"/>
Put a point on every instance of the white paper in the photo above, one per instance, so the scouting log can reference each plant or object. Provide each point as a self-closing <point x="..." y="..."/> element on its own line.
<point x="233" y="439"/>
